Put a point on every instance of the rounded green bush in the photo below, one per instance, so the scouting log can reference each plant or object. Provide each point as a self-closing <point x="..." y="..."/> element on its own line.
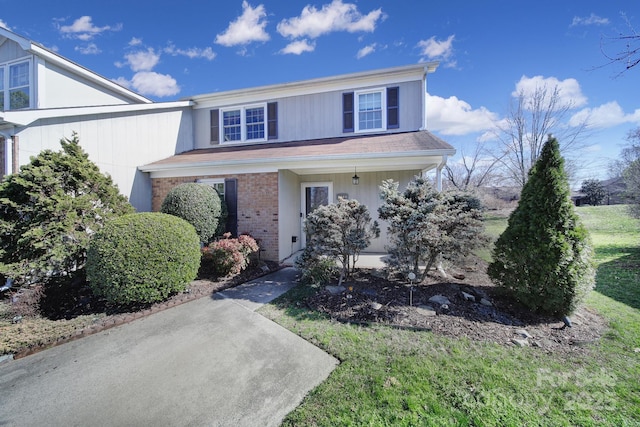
<point x="142" y="258"/>
<point x="198" y="204"/>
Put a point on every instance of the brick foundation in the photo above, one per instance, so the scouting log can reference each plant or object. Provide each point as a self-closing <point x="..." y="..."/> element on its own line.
<point x="257" y="205"/>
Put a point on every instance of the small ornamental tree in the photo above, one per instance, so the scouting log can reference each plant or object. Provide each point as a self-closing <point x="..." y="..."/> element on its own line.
<point x="594" y="192"/>
<point x="544" y="257"/>
<point x="198" y="204"/>
<point x="50" y="210"/>
<point x="425" y="224"/>
<point x="340" y="231"/>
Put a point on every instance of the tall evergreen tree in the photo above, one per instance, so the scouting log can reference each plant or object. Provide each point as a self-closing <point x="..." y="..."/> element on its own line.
<point x="544" y="257"/>
<point x="49" y="211"/>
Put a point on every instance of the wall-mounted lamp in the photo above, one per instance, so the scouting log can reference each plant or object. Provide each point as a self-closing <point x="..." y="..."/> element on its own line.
<point x="355" y="179"/>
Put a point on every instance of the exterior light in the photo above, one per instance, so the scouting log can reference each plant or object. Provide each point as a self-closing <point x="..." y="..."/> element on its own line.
<point x="355" y="179"/>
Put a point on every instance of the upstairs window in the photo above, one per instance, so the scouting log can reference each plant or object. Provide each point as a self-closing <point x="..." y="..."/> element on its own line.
<point x="247" y="123"/>
<point x="15" y="85"/>
<point x="370" y="110"/>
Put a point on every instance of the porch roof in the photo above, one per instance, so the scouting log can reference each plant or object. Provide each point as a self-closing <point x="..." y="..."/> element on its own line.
<point x="420" y="150"/>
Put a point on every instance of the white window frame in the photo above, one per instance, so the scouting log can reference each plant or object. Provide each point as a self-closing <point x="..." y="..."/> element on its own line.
<point x="7" y="80"/>
<point x="243" y="123"/>
<point x="213" y="182"/>
<point x="356" y="109"/>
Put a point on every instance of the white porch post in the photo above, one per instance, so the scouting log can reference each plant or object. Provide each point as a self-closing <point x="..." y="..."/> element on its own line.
<point x="439" y="173"/>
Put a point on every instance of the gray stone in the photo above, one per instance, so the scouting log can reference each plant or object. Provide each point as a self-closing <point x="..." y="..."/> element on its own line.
<point x="426" y="310"/>
<point x="335" y="290"/>
<point x="6" y="358"/>
<point x="376" y="305"/>
<point x="524" y="333"/>
<point x="520" y="343"/>
<point x="486" y="302"/>
<point x="468" y="297"/>
<point x="439" y="299"/>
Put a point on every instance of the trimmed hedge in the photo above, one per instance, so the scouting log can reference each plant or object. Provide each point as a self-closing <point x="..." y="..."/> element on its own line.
<point x="142" y="258"/>
<point x="198" y="204"/>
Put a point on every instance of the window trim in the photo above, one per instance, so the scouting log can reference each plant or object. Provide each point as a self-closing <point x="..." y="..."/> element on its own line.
<point x="243" y="123"/>
<point x="212" y="182"/>
<point x="6" y="83"/>
<point x="383" y="109"/>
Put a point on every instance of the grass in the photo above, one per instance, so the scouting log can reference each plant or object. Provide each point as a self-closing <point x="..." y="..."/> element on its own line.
<point x="395" y="377"/>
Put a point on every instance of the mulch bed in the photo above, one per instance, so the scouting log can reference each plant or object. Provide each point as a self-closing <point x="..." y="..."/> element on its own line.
<point x="370" y="298"/>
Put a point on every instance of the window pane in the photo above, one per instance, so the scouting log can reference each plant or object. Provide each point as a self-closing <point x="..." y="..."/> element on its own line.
<point x="1" y="100"/>
<point x="19" y="75"/>
<point x="18" y="98"/>
<point x="255" y="123"/>
<point x="231" y="124"/>
<point x="370" y="110"/>
<point x="1" y="78"/>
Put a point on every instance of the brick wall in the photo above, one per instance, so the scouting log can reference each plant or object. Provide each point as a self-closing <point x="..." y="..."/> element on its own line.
<point x="257" y="205"/>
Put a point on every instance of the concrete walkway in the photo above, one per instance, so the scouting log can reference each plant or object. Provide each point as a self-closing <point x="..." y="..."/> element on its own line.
<point x="209" y="362"/>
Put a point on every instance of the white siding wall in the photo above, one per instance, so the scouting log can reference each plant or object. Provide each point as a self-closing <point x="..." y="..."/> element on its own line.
<point x="367" y="193"/>
<point x="117" y="143"/>
<point x="320" y="115"/>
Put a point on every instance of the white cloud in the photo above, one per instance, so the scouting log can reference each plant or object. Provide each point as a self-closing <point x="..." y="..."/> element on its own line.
<point x="192" y="53"/>
<point x="249" y="27"/>
<point x="143" y="60"/>
<point x="569" y="91"/>
<point x="298" y="47"/>
<point x="123" y="82"/>
<point x="151" y="83"/>
<point x="437" y="49"/>
<point x="453" y="116"/>
<point x="84" y="29"/>
<point x="135" y="41"/>
<point x="605" y="116"/>
<point x="336" y="16"/>
<point x="592" y="19"/>
<point x="367" y="50"/>
<point x="90" y="49"/>
<point x="4" y="25"/>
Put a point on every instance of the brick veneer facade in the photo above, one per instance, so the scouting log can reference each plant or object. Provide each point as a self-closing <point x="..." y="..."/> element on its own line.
<point x="257" y="205"/>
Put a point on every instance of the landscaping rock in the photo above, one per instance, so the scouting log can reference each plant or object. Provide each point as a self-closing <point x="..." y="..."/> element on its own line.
<point x="439" y="299"/>
<point x="426" y="310"/>
<point x="524" y="333"/>
<point x="376" y="305"/>
<point x="520" y="343"/>
<point x="486" y="302"/>
<point x="459" y="276"/>
<point x="335" y="290"/>
<point x="468" y="297"/>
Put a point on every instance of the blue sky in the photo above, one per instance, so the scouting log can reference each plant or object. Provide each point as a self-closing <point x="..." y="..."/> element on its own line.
<point x="168" y="50"/>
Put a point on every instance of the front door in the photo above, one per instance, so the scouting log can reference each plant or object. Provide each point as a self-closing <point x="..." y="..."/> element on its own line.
<point x="314" y="194"/>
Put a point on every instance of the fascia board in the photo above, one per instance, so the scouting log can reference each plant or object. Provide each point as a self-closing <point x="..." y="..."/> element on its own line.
<point x="26" y="117"/>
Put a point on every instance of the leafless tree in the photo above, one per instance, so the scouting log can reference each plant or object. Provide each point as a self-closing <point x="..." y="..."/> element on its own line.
<point x="473" y="171"/>
<point x="627" y="44"/>
<point x="531" y="119"/>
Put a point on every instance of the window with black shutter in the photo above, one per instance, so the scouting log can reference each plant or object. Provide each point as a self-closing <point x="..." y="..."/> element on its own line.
<point x="215" y="126"/>
<point x="272" y="120"/>
<point x="231" y="199"/>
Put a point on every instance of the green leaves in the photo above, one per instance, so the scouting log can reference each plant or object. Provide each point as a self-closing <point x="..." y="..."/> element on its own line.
<point x="49" y="211"/>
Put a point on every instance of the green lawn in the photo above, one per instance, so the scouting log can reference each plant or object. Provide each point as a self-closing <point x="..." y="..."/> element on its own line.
<point x="394" y="377"/>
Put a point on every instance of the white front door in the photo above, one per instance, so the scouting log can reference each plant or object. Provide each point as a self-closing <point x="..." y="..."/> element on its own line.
<point x="314" y="194"/>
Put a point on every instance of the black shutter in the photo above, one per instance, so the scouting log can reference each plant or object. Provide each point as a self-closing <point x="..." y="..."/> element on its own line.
<point x="231" y="199"/>
<point x="393" y="106"/>
<point x="347" y="112"/>
<point x="272" y="120"/>
<point x="215" y="126"/>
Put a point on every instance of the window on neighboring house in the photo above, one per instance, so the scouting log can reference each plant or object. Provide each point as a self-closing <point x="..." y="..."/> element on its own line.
<point x="15" y="86"/>
<point x="248" y="123"/>
<point x="370" y="110"/>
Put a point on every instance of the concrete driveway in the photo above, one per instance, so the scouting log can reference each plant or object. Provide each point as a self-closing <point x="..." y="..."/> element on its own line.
<point x="209" y="362"/>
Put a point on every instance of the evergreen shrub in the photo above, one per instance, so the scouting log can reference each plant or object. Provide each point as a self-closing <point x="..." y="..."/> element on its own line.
<point x="198" y="204"/>
<point x="142" y="258"/>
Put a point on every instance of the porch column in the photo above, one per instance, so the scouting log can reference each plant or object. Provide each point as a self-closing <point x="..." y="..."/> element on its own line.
<point x="15" y="152"/>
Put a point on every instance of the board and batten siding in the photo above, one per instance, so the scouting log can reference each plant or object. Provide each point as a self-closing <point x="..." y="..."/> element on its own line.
<point x="318" y="116"/>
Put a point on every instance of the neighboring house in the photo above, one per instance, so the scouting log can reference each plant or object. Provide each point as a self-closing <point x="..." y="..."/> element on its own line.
<point x="45" y="97"/>
<point x="615" y="189"/>
<point x="274" y="152"/>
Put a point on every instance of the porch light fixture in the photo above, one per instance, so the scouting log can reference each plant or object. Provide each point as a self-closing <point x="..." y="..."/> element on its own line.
<point x="355" y="179"/>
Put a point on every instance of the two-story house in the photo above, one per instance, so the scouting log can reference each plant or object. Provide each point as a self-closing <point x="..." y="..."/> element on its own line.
<point x="274" y="152"/>
<point x="278" y="151"/>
